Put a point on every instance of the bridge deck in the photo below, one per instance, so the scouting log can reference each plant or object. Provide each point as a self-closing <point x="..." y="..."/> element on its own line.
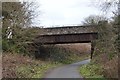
<point x="66" y="38"/>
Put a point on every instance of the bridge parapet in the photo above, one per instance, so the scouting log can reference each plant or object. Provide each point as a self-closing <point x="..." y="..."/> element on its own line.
<point x="68" y="30"/>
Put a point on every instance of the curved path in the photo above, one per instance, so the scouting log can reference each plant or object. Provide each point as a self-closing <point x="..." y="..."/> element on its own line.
<point x="68" y="71"/>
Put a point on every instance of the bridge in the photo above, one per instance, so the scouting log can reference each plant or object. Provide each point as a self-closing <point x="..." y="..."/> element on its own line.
<point x="68" y="34"/>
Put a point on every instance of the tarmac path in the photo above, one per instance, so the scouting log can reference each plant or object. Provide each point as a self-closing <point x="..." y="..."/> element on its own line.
<point x="67" y="71"/>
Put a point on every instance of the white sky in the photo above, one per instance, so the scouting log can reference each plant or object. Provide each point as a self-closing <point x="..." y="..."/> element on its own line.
<point x="65" y="12"/>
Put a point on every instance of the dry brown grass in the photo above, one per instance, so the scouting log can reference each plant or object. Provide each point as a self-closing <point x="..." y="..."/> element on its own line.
<point x="111" y="68"/>
<point x="10" y="62"/>
<point x="78" y="47"/>
<point x="101" y="59"/>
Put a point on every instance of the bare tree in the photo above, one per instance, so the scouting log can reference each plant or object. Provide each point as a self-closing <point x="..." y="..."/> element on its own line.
<point x="94" y="20"/>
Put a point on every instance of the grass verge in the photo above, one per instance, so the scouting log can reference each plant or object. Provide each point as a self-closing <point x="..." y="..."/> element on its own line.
<point x="34" y="71"/>
<point x="91" y="72"/>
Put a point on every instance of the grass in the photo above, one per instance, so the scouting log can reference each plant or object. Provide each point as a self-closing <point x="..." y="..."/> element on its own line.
<point x="91" y="72"/>
<point x="34" y="71"/>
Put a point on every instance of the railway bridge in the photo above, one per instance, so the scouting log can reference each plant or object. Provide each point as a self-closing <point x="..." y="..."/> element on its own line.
<point x="68" y="34"/>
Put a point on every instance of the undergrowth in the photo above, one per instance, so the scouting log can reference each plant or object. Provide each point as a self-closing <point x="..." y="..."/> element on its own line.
<point x="91" y="71"/>
<point x="34" y="71"/>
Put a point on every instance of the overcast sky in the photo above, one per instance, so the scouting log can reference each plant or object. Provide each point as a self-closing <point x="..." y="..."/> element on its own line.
<point x="65" y="12"/>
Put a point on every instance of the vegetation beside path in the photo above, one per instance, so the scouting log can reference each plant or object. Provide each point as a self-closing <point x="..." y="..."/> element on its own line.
<point x="91" y="71"/>
<point x="105" y="56"/>
<point x="23" y="66"/>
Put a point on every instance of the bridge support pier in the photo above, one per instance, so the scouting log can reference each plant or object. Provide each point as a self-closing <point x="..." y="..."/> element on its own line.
<point x="92" y="49"/>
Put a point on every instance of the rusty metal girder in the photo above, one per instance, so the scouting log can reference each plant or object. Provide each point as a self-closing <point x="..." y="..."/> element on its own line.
<point x="66" y="38"/>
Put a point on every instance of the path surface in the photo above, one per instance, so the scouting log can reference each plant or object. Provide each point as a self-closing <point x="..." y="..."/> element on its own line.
<point x="68" y="71"/>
